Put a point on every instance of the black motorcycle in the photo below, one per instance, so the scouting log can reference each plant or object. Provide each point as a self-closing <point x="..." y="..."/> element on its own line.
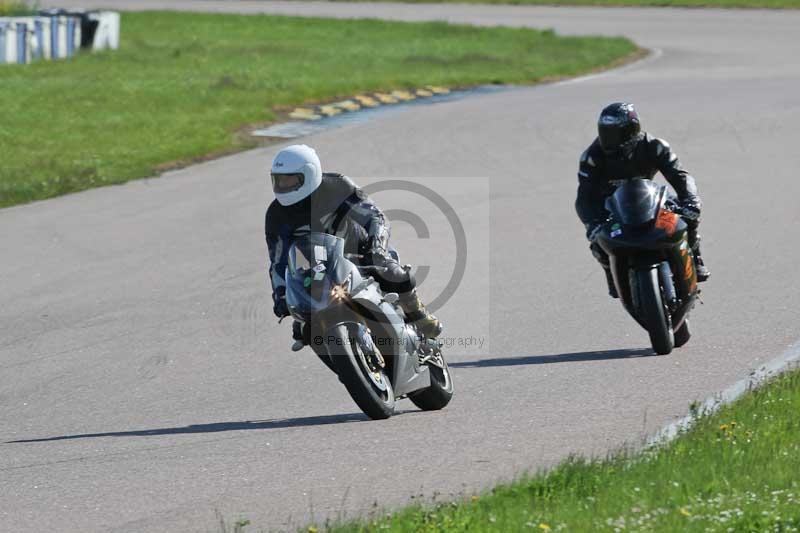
<point x="359" y="332"/>
<point x="651" y="261"/>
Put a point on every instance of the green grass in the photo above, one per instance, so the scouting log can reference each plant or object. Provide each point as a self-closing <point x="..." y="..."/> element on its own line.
<point x="11" y="8"/>
<point x="181" y="86"/>
<point x="756" y="4"/>
<point x="738" y="470"/>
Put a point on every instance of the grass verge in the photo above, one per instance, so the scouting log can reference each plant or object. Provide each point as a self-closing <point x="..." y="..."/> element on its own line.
<point x="182" y="85"/>
<point x="749" y="4"/>
<point x="734" y="471"/>
<point x="12" y="8"/>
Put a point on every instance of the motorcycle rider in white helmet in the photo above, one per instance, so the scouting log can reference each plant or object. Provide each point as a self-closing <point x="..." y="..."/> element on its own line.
<point x="306" y="199"/>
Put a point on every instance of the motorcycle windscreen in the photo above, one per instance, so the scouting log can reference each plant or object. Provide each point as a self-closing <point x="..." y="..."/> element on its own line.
<point x="314" y="251"/>
<point x="313" y="270"/>
<point x="636" y="202"/>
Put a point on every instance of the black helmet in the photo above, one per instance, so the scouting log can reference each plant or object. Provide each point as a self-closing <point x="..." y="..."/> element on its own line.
<point x="618" y="129"/>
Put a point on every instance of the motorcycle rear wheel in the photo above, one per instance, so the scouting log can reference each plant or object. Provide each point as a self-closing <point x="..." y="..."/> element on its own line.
<point x="368" y="385"/>
<point x="653" y="311"/>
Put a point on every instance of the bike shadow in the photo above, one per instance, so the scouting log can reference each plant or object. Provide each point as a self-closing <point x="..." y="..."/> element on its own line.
<point x="574" y="357"/>
<point x="306" y="421"/>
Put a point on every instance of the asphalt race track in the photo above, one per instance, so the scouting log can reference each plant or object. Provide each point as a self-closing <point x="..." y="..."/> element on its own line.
<point x="145" y="384"/>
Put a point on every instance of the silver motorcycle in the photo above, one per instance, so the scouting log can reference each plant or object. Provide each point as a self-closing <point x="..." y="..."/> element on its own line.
<point x="359" y="332"/>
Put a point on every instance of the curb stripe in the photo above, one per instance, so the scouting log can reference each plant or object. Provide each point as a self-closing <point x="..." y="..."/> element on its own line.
<point x="403" y="95"/>
<point x="304" y="114"/>
<point x="323" y="117"/>
<point x="328" y="110"/>
<point x="361" y="101"/>
<point x="366" y="101"/>
<point x="385" y="98"/>
<point x="438" y="90"/>
<point x="347" y="105"/>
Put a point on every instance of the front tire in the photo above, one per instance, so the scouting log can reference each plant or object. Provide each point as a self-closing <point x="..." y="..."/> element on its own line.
<point x="439" y="394"/>
<point x="367" y="384"/>
<point x="653" y="311"/>
<point x="683" y="334"/>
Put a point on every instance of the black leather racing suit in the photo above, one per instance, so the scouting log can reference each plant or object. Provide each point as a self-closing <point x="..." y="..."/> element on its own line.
<point x="338" y="207"/>
<point x="599" y="175"/>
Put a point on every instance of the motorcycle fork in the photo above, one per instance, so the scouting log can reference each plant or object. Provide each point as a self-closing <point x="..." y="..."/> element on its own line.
<point x="668" y="286"/>
<point x="681" y="261"/>
<point x="430" y="352"/>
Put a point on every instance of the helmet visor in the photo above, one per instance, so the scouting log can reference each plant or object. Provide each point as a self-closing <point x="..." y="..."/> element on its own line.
<point x="611" y="137"/>
<point x="283" y="183"/>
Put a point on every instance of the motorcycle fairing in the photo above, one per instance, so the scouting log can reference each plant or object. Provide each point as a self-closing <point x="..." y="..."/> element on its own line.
<point x="636" y="202"/>
<point x="643" y="234"/>
<point x="316" y="265"/>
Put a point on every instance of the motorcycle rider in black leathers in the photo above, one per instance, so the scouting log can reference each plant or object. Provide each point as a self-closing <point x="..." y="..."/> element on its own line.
<point x="621" y="152"/>
<point x="308" y="200"/>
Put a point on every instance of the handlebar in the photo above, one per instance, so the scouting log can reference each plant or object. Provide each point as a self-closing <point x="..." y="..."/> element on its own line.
<point x="365" y="269"/>
<point x="370" y="269"/>
<point x="678" y="209"/>
<point x="671" y="206"/>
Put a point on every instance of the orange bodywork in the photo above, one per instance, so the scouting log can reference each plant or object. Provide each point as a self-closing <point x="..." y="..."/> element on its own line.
<point x="688" y="269"/>
<point x="667" y="221"/>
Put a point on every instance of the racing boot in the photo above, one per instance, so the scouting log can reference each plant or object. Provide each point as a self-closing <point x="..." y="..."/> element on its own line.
<point x="694" y="242"/>
<point x="612" y="289"/>
<point x="297" y="335"/>
<point x="703" y="273"/>
<point x="427" y="324"/>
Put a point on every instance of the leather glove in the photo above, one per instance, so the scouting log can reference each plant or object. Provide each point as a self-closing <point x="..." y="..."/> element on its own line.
<point x="690" y="209"/>
<point x="390" y="269"/>
<point x="592" y="230"/>
<point x="279" y="306"/>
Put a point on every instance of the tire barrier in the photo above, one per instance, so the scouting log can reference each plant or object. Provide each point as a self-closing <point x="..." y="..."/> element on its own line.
<point x="14" y="41"/>
<point x="56" y="34"/>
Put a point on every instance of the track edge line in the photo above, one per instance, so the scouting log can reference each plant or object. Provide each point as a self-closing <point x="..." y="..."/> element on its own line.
<point x="786" y="361"/>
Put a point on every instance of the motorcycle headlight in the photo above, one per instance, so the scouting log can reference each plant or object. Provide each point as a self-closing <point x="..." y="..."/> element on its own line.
<point x="341" y="291"/>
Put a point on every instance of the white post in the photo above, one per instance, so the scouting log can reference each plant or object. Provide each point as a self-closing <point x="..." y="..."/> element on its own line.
<point x="107" y="34"/>
<point x="3" y="35"/>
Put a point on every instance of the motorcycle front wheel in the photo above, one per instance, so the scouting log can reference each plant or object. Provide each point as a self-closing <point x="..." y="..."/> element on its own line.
<point x="682" y="334"/>
<point x="439" y="394"/>
<point x="366" y="382"/>
<point x="653" y="311"/>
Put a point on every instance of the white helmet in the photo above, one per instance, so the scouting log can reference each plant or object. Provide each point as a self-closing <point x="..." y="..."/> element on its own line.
<point x="296" y="173"/>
